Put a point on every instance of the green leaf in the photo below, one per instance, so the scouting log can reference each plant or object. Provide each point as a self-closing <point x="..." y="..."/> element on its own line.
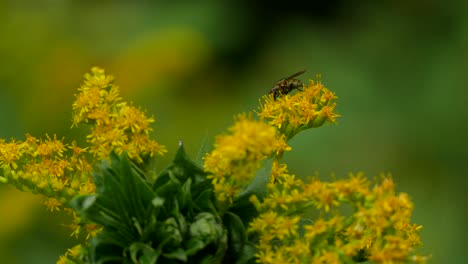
<point x="178" y="254"/>
<point x="143" y="254"/>
<point x="220" y="253"/>
<point x="205" y="202"/>
<point x="247" y="255"/>
<point x="171" y="187"/>
<point x="185" y="196"/>
<point x="182" y="168"/>
<point x="168" y="234"/>
<point x="193" y="246"/>
<point x="236" y="233"/>
<point x="165" y="221"/>
<point x="121" y="205"/>
<point x="258" y="186"/>
<point x="183" y="160"/>
<point x="103" y="249"/>
<point x="88" y="208"/>
<point x="135" y="189"/>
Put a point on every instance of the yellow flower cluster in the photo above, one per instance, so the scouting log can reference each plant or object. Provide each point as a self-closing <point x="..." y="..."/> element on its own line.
<point x="51" y="168"/>
<point x="238" y="155"/>
<point x="378" y="228"/>
<point x="309" y="108"/>
<point x="60" y="171"/>
<point x="46" y="167"/>
<point x="118" y="126"/>
<point x="73" y="253"/>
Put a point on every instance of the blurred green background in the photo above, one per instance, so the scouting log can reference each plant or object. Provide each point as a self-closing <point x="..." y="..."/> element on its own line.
<point x="398" y="67"/>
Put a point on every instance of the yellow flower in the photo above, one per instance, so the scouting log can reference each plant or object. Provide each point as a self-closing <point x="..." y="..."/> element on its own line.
<point x="266" y="256"/>
<point x="286" y="227"/>
<point x="356" y="186"/>
<point x="306" y="109"/>
<point x="44" y="166"/>
<point x="238" y="155"/>
<point x="92" y="230"/>
<point x="64" y="260"/>
<point x="10" y="153"/>
<point x="329" y="257"/>
<point x="53" y="204"/>
<point x="50" y="146"/>
<point x="134" y="119"/>
<point x="117" y="125"/>
<point x="379" y="224"/>
<point x="299" y="251"/>
<point x="319" y="227"/>
<point x="75" y="251"/>
<point x="73" y="254"/>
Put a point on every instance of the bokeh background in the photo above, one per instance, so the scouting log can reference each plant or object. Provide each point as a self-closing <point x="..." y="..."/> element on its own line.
<point x="398" y="67"/>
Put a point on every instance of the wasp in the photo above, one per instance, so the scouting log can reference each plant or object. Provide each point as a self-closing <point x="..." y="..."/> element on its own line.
<point x="286" y="85"/>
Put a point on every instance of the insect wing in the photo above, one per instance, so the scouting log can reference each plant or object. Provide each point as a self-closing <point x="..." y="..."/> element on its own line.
<point x="295" y="75"/>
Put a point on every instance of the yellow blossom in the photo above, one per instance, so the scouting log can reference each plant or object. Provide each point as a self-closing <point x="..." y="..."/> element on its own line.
<point x="319" y="227"/>
<point x="44" y="166"/>
<point x="75" y="251"/>
<point x="58" y="170"/>
<point x="379" y="225"/>
<point x="92" y="230"/>
<point x="329" y="257"/>
<point x="309" y="108"/>
<point x="238" y="155"/>
<point x="117" y="125"/>
<point x="50" y="146"/>
<point x="64" y="260"/>
<point x="73" y="254"/>
<point x="286" y="226"/>
<point x="53" y="204"/>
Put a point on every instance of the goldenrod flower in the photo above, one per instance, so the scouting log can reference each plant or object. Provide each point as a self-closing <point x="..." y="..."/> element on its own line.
<point x="379" y="226"/>
<point x="46" y="167"/>
<point x="309" y="108"/>
<point x="61" y="171"/>
<point x="10" y="154"/>
<point x="238" y="155"/>
<point x="53" y="204"/>
<point x="64" y="260"/>
<point x="75" y="251"/>
<point x="117" y="125"/>
<point x="73" y="255"/>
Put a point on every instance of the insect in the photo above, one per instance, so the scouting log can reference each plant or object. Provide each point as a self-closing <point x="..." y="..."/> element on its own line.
<point x="286" y="85"/>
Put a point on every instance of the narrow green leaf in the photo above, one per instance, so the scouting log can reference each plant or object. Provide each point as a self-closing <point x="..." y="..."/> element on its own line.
<point x="193" y="246"/>
<point x="258" y="185"/>
<point x="247" y="255"/>
<point x="205" y="202"/>
<point x="104" y="250"/>
<point x="178" y="254"/>
<point x="236" y="233"/>
<point x="143" y="254"/>
<point x="169" y="188"/>
<point x="242" y="205"/>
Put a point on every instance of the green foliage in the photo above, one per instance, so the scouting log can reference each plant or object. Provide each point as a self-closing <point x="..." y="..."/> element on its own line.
<point x="171" y="219"/>
<point x="258" y="187"/>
